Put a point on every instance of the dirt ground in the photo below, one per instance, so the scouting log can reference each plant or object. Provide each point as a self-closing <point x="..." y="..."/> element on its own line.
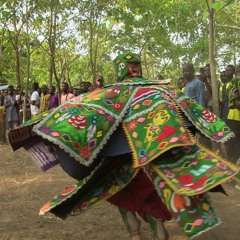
<point x="24" y="188"/>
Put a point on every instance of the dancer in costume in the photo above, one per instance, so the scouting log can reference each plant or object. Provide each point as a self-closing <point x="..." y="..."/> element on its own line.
<point x="147" y="121"/>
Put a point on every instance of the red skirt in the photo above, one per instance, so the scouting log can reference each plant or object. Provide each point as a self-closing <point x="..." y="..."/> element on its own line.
<point x="140" y="196"/>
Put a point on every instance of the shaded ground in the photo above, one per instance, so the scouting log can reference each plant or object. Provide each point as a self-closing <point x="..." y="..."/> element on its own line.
<point x="24" y="188"/>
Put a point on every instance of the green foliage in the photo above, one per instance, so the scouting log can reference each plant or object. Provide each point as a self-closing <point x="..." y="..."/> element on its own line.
<point x="84" y="37"/>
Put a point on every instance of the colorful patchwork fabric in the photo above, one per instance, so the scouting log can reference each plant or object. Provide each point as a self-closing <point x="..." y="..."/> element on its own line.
<point x="110" y="184"/>
<point x="205" y="121"/>
<point x="153" y="120"/>
<point x="82" y="126"/>
<point x="194" y="214"/>
<point x="23" y="134"/>
<point x="192" y="170"/>
<point x="150" y="114"/>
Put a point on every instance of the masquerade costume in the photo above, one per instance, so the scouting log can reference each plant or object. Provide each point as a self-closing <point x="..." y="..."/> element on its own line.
<point x="133" y="129"/>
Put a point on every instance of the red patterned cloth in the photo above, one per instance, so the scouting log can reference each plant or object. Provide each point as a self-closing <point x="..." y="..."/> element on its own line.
<point x="141" y="198"/>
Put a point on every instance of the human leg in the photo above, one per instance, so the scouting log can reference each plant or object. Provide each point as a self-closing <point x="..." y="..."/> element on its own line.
<point x="159" y="232"/>
<point x="132" y="223"/>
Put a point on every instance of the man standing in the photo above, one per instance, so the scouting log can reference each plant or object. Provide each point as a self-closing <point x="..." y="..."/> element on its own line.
<point x="233" y="118"/>
<point x="12" y="119"/>
<point x="66" y="95"/>
<point x="44" y="99"/>
<point x="34" y="100"/>
<point x="194" y="88"/>
<point x="53" y="97"/>
<point x="224" y="89"/>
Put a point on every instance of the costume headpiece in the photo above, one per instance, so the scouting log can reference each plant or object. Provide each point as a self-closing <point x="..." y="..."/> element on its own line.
<point x="120" y="64"/>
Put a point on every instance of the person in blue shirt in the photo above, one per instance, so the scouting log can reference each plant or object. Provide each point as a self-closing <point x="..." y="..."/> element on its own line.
<point x="194" y="87"/>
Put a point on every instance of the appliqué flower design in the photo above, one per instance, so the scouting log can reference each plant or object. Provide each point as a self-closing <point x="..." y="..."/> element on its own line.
<point x="132" y="125"/>
<point x="208" y="116"/>
<point x="78" y="122"/>
<point x="118" y="106"/>
<point x="85" y="152"/>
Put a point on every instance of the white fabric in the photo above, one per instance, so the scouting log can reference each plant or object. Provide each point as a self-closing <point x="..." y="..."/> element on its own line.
<point x="35" y="108"/>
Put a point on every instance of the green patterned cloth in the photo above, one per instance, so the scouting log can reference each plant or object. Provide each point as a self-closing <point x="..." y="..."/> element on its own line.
<point x="154" y="121"/>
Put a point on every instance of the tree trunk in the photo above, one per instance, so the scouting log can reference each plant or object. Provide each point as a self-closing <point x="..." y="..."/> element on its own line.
<point x="215" y="146"/>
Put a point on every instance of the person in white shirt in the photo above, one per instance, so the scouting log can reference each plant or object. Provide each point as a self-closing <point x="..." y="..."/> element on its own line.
<point x="34" y="100"/>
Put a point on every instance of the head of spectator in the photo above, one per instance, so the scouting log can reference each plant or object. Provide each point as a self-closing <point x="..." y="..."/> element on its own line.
<point x="35" y="86"/>
<point x="44" y="89"/>
<point x="19" y="90"/>
<point x="188" y="72"/>
<point x="127" y="65"/>
<point x="201" y="75"/>
<point x="84" y="87"/>
<point x="64" y="87"/>
<point x="207" y="71"/>
<point x="181" y="83"/>
<point x="75" y="92"/>
<point x="99" y="82"/>
<point x="52" y="90"/>
<point x="159" y="77"/>
<point x="10" y="90"/>
<point x="70" y="89"/>
<point x="223" y="77"/>
<point x="230" y="71"/>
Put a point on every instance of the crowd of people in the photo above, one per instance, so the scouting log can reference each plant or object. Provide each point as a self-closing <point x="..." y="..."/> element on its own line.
<point x="199" y="88"/>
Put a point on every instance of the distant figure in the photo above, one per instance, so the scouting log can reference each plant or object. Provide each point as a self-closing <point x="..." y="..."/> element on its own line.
<point x="224" y="89"/>
<point x="44" y="99"/>
<point x="20" y="97"/>
<point x="12" y="118"/>
<point x="53" y="97"/>
<point x="34" y="100"/>
<point x="181" y="84"/>
<point x="194" y="87"/>
<point x="85" y="87"/>
<point x="159" y="77"/>
<point x="65" y="95"/>
<point x="202" y="75"/>
<point x="75" y="91"/>
<point x="99" y="82"/>
<point x="233" y="118"/>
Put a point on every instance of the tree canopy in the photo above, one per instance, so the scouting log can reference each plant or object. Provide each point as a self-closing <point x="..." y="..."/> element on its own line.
<point x="75" y="40"/>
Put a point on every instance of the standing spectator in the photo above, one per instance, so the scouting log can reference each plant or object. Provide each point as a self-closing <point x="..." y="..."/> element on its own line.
<point x="230" y="71"/>
<point x="65" y="95"/>
<point x="194" y="87"/>
<point x="75" y="91"/>
<point x="159" y="77"/>
<point x="53" y="97"/>
<point x="1" y="98"/>
<point x="99" y="82"/>
<point x="224" y="88"/>
<point x="233" y="118"/>
<point x="202" y="75"/>
<point x="86" y="87"/>
<point x="208" y="87"/>
<point x="70" y="89"/>
<point x="12" y="119"/>
<point x="20" y="97"/>
<point x="2" y="117"/>
<point x="34" y="100"/>
<point x="181" y="84"/>
<point x="44" y="99"/>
